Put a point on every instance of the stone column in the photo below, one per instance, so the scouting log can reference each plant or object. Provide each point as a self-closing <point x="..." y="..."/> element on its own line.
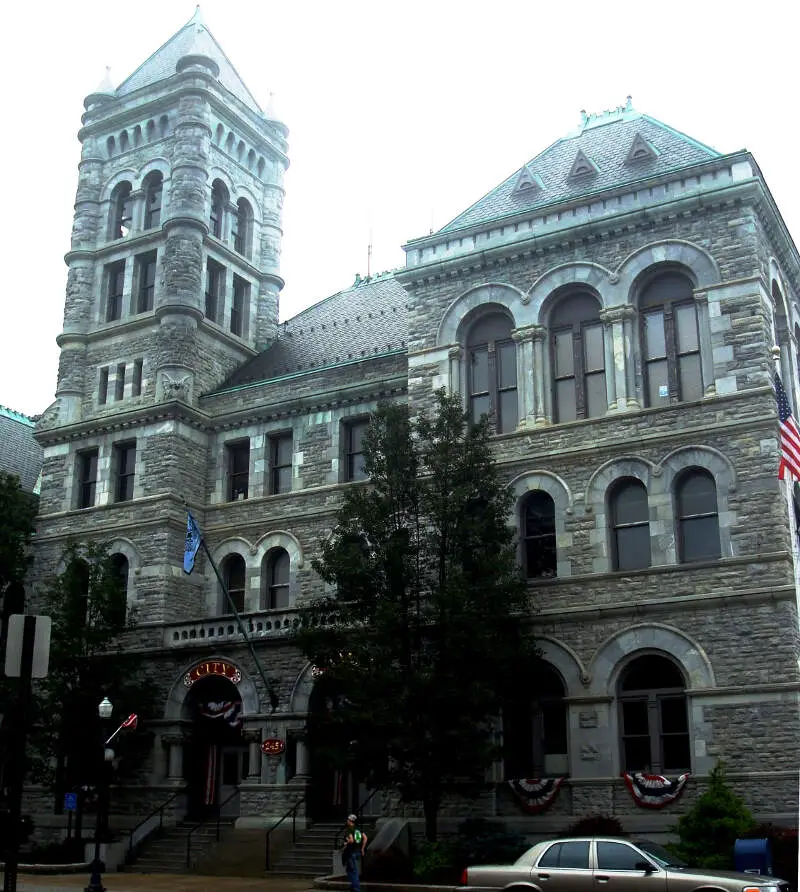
<point x="539" y="374"/>
<point x="523" y="338"/>
<point x="618" y="337"/>
<point x="175" y="743"/>
<point x="301" y="759"/>
<point x="706" y="352"/>
<point x="138" y="210"/>
<point x="454" y="355"/>
<point x="253" y="738"/>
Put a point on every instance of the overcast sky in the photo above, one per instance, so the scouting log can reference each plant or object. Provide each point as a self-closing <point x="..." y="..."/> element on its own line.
<point x="400" y="115"/>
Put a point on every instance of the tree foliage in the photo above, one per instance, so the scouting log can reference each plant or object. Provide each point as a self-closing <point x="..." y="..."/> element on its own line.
<point x="420" y="632"/>
<point x="18" y="511"/>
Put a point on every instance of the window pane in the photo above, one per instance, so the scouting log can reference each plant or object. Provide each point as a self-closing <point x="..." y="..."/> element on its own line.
<point x="616" y="856"/>
<point x="629" y="503"/>
<point x="551" y="856"/>
<point x="593" y="352"/>
<point x="673" y="715"/>
<point x="480" y="406"/>
<point x="596" y="396"/>
<point x="651" y="671"/>
<point x="574" y="855"/>
<point x="633" y="547"/>
<point x="690" y="379"/>
<point x="280" y="568"/>
<point x="634" y="717"/>
<point x="283" y="450"/>
<point x="283" y="479"/>
<point x="699" y="539"/>
<point x="554" y="723"/>
<point x="697" y="494"/>
<point x="479" y="371"/>
<point x="565" y="400"/>
<point x="686" y="328"/>
<point x="357" y="432"/>
<point x="506" y="365"/>
<point x="508" y="412"/>
<point x="235" y="572"/>
<point x="676" y="751"/>
<point x="563" y="353"/>
<point x="540" y="514"/>
<point x="657" y="383"/>
<point x="540" y="557"/>
<point x="654" y="340"/>
<point x="637" y="753"/>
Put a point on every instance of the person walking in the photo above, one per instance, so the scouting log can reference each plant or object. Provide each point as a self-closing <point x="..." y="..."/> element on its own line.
<point x="355" y="843"/>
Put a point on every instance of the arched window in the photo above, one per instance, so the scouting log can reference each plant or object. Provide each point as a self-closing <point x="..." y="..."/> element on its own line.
<point x="653" y="719"/>
<point x="539" y="535"/>
<point x="535" y="727"/>
<point x="276" y="579"/>
<point x="234" y="574"/>
<point x="578" y="359"/>
<point x="243" y="228"/>
<point x="670" y="340"/>
<point x="219" y="201"/>
<point x="697" y="516"/>
<point x="123" y="141"/>
<point x="153" y="187"/>
<point x="119" y="572"/>
<point x="121" y="210"/>
<point x="630" y="525"/>
<point x="492" y="371"/>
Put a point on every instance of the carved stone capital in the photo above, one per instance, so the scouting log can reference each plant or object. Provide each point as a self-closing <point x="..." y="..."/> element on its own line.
<point x="454" y="353"/>
<point x="617" y="314"/>
<point x="528" y="333"/>
<point x="252" y="735"/>
<point x="174" y="739"/>
<point x="701" y="297"/>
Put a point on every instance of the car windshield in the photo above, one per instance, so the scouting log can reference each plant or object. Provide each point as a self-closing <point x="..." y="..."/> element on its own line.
<point x="659" y="854"/>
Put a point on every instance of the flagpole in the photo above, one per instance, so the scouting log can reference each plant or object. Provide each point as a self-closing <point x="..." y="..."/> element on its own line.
<point x="273" y="697"/>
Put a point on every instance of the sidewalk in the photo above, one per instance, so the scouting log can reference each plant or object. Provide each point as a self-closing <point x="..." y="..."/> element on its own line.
<point x="162" y="882"/>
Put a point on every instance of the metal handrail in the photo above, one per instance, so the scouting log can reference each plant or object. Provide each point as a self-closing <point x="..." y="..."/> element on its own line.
<point x="293" y="812"/>
<point x="206" y="821"/>
<point x="158" y="810"/>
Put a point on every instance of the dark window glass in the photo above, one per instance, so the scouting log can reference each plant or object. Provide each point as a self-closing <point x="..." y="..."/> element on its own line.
<point x="102" y="390"/>
<point x="670" y="340"/>
<point x="277" y="579"/>
<point x="240" y="291"/>
<point x="578" y="359"/>
<point x="230" y="769"/>
<point x="492" y="372"/>
<point x="539" y="535"/>
<point x="87" y="478"/>
<point x="551" y="856"/>
<point x="152" y="201"/>
<point x="125" y="461"/>
<point x="573" y="854"/>
<point x="617" y="856"/>
<point x="242" y="237"/>
<point x="122" y="211"/>
<point x="234" y="575"/>
<point x="215" y="279"/>
<point x="136" y="386"/>
<point x="281" y="463"/>
<point x="219" y="200"/>
<point x="630" y="525"/>
<point x="146" y="282"/>
<point x="238" y="470"/>
<point x="119" y="568"/>
<point x="697" y="517"/>
<point x="535" y="728"/>
<point x="115" y="286"/>
<point x="119" y="387"/>
<point x="654" y="720"/>
<point x="354" y="450"/>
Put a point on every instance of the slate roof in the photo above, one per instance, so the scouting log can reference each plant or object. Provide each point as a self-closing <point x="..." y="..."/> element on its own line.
<point x="20" y="454"/>
<point x="193" y="39"/>
<point x="367" y="320"/>
<point x="605" y="140"/>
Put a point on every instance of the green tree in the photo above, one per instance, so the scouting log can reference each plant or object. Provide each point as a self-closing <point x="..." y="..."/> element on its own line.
<point x="420" y="632"/>
<point x="18" y="511"/>
<point x="712" y="825"/>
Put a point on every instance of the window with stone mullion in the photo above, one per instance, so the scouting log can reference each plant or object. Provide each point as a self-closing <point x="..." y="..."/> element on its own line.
<point x="234" y="576"/>
<point x="115" y="291"/>
<point x="493" y="384"/>
<point x="278" y="574"/>
<point x="630" y="517"/>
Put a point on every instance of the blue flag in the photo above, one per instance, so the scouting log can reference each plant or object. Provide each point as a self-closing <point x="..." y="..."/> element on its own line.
<point x="192" y="543"/>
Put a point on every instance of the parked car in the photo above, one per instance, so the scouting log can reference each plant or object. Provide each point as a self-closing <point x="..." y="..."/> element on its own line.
<point x="610" y="865"/>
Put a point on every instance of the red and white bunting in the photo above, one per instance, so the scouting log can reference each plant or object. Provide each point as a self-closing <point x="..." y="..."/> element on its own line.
<point x="654" y="790"/>
<point x="536" y="794"/>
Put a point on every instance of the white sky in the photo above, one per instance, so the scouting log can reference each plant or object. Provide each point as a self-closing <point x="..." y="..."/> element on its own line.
<point x="400" y="115"/>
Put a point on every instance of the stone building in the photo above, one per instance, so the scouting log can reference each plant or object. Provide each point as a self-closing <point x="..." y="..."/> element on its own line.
<point x="618" y="305"/>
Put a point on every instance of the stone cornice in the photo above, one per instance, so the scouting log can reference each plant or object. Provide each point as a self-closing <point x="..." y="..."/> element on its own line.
<point x="617" y="314"/>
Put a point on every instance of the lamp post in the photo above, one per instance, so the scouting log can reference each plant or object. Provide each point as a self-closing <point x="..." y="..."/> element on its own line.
<point x="97" y="867"/>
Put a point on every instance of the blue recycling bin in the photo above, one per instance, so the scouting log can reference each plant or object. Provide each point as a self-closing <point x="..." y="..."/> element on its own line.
<point x="753" y="856"/>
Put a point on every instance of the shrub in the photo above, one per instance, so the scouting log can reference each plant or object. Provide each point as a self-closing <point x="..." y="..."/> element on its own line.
<point x="435" y="862"/>
<point x="712" y="825"/>
<point x="596" y="825"/>
<point x="487" y="842"/>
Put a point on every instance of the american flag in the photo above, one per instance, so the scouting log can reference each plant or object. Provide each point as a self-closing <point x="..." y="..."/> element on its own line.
<point x="790" y="436"/>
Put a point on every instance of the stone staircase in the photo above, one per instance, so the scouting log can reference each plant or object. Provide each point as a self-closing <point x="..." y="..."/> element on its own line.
<point x="311" y="856"/>
<point x="166" y="852"/>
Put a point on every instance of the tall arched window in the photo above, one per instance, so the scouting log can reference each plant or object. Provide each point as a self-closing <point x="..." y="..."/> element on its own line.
<point x="243" y="231"/>
<point x="121" y="211"/>
<point x="219" y="201"/>
<point x="276" y="579"/>
<point x="153" y="188"/>
<point x="578" y="359"/>
<point x="653" y="718"/>
<point x="630" y="525"/>
<point x="539" y="535"/>
<point x="119" y="570"/>
<point x="697" y="516"/>
<point x="492" y="371"/>
<point x="670" y="340"/>
<point x="234" y="574"/>
<point x="535" y="727"/>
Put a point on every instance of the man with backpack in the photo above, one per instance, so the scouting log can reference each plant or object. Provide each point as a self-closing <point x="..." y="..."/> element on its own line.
<point x="355" y="843"/>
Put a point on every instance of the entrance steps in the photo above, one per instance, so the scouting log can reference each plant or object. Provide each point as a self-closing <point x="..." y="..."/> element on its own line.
<point x="166" y="853"/>
<point x="311" y="856"/>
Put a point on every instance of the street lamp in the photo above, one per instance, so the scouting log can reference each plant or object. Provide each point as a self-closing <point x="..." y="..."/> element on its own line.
<point x="104" y="710"/>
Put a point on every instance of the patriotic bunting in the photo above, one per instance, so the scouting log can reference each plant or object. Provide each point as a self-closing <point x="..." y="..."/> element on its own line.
<point x="654" y="790"/>
<point x="230" y="711"/>
<point x="536" y="794"/>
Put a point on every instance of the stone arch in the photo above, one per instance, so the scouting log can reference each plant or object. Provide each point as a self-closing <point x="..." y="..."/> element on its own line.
<point x="560" y="493"/>
<point x="179" y="690"/>
<point x="217" y="173"/>
<point x="698" y="261"/>
<point x="240" y="190"/>
<point x="579" y="274"/>
<point x="235" y="545"/>
<point x="466" y="305"/>
<point x="566" y="662"/>
<point x="279" y="539"/>
<point x="301" y="691"/>
<point x="158" y="163"/>
<point x="127" y="175"/>
<point x="612" y="655"/>
<point x="127" y="548"/>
